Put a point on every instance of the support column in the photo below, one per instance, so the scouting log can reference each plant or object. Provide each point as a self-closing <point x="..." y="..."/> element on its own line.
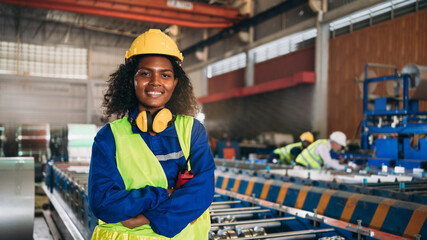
<point x="89" y="85"/>
<point x="204" y="84"/>
<point x="250" y="57"/>
<point x="320" y="104"/>
<point x="249" y="71"/>
<point x="89" y="96"/>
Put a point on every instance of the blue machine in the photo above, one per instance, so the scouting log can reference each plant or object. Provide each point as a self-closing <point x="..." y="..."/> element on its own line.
<point x="395" y="128"/>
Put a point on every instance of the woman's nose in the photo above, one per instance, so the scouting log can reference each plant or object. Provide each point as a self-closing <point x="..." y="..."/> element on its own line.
<point x="155" y="79"/>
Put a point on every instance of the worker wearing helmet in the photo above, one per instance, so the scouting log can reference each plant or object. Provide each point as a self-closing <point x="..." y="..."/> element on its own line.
<point x="289" y="153"/>
<point x="318" y="153"/>
<point x="152" y="171"/>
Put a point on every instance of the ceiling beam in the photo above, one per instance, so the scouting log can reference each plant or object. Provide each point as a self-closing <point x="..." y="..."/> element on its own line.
<point x="245" y="24"/>
<point x="182" y="13"/>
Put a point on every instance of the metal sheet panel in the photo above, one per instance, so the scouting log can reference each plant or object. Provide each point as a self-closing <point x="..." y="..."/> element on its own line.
<point x="16" y="197"/>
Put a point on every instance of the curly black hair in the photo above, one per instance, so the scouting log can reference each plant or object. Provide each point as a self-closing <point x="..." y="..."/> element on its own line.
<point x="120" y="98"/>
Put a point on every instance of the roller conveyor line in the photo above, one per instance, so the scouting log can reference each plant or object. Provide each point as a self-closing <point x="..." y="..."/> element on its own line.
<point x="377" y="184"/>
<point x="235" y="209"/>
<point x="232" y="217"/>
<point x="240" y="214"/>
<point x="288" y="234"/>
<point x="252" y="221"/>
<point x="224" y="202"/>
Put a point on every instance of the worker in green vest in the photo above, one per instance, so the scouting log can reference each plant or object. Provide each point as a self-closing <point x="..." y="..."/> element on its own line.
<point x="152" y="170"/>
<point x="289" y="153"/>
<point x="318" y="153"/>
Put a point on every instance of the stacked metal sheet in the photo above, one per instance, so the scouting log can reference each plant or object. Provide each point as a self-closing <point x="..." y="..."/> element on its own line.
<point x="80" y="139"/>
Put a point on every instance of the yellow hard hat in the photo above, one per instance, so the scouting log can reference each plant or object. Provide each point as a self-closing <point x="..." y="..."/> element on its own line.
<point x="154" y="41"/>
<point x="307" y="136"/>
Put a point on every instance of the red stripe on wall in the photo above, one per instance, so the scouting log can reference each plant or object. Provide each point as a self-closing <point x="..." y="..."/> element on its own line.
<point x="285" y="66"/>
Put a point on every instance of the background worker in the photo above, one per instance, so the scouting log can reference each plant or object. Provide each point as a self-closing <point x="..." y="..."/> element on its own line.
<point x="289" y="153"/>
<point x="318" y="153"/>
<point x="137" y="159"/>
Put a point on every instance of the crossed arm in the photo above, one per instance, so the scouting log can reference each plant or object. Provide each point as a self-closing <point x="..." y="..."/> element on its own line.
<point x="159" y="207"/>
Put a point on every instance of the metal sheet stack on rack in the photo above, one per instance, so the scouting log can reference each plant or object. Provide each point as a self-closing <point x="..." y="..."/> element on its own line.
<point x="234" y="215"/>
<point x="80" y="139"/>
<point x="33" y="140"/>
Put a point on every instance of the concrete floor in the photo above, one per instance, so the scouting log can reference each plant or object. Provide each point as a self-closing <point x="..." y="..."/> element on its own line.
<point x="41" y="230"/>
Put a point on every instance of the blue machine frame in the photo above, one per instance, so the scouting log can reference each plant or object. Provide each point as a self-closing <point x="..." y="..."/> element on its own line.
<point x="404" y="119"/>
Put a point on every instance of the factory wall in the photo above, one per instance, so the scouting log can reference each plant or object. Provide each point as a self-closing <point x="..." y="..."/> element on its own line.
<point x="270" y="70"/>
<point x="285" y="66"/>
<point x="227" y="81"/>
<point x="25" y="97"/>
<point x="197" y="79"/>
<point x="287" y="111"/>
<point x="26" y="100"/>
<point x="398" y="42"/>
<point x="105" y="60"/>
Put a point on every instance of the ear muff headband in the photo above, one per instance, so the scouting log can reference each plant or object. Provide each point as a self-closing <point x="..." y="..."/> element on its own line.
<point x="156" y="123"/>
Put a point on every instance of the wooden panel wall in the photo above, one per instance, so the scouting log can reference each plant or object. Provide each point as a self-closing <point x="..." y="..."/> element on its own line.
<point x="285" y="66"/>
<point x="397" y="42"/>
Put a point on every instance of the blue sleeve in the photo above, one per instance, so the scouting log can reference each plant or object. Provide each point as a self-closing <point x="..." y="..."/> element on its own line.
<point x="108" y="198"/>
<point x="296" y="151"/>
<point x="194" y="197"/>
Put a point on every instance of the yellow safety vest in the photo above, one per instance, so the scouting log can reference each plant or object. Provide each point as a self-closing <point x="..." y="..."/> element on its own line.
<point x="286" y="157"/>
<point x="308" y="158"/>
<point x="139" y="167"/>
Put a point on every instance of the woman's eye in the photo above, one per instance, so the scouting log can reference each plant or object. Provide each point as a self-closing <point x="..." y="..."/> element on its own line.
<point x="144" y="74"/>
<point x="166" y="75"/>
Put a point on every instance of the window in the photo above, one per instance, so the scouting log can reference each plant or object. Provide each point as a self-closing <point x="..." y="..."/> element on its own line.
<point x="43" y="61"/>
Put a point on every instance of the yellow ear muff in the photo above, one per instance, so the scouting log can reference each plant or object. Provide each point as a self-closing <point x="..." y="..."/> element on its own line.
<point x="141" y="121"/>
<point x="161" y="120"/>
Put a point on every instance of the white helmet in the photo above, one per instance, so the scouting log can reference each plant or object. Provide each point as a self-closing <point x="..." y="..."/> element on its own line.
<point x="338" y="137"/>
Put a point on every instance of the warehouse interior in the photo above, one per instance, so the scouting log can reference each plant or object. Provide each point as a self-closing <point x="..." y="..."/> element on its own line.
<point x="264" y="72"/>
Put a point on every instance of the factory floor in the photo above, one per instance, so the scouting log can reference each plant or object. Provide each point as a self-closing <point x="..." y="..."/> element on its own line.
<point x="41" y="229"/>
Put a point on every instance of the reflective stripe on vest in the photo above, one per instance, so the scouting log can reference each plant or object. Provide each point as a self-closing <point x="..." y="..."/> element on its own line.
<point x="285" y="154"/>
<point x="139" y="167"/>
<point x="308" y="158"/>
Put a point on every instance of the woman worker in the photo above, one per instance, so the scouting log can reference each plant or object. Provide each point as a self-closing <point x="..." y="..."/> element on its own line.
<point x="136" y="159"/>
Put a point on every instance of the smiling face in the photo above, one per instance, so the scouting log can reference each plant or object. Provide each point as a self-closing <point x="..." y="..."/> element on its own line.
<point x="154" y="83"/>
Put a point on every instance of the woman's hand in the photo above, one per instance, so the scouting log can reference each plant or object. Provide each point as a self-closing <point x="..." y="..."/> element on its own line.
<point x="136" y="221"/>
